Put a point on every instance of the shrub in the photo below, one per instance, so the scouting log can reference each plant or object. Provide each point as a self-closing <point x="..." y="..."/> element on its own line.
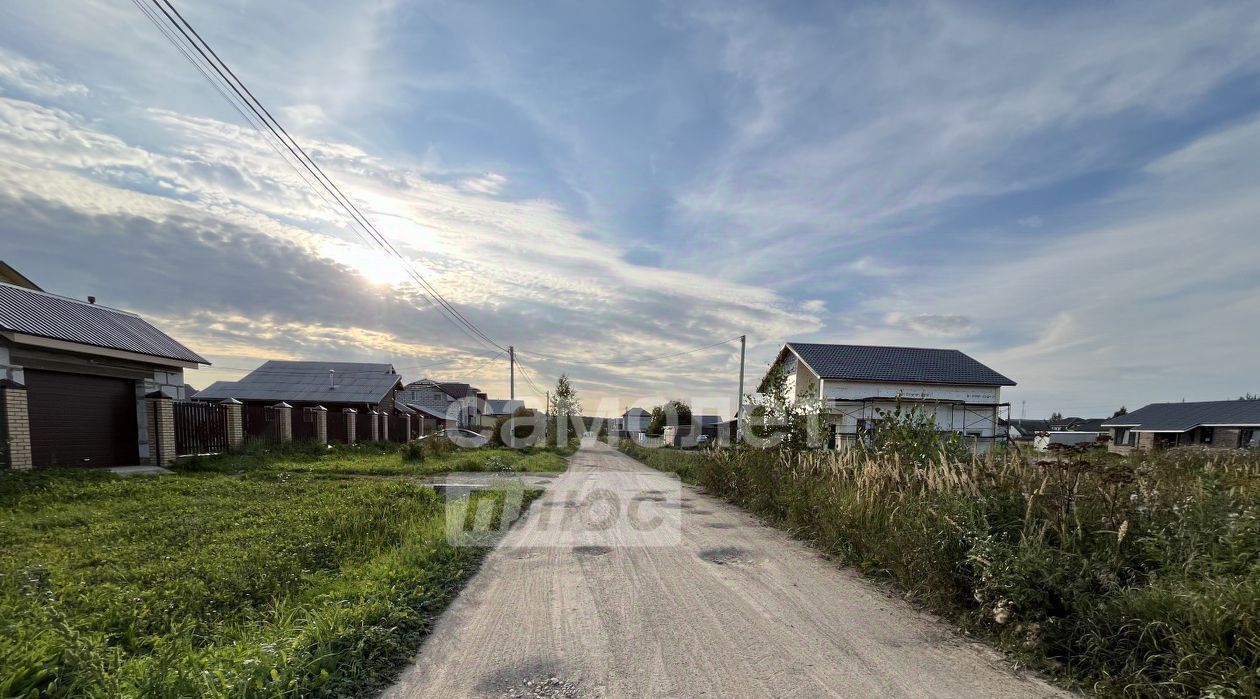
<point x="412" y="452"/>
<point x="438" y="445"/>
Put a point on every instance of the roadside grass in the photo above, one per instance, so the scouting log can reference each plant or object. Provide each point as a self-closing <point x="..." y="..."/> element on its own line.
<point x="372" y="459"/>
<point x="1133" y="576"/>
<point x="266" y="580"/>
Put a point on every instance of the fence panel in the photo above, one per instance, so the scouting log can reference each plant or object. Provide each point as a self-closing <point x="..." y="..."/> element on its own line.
<point x="259" y="422"/>
<point x="303" y="423"/>
<point x="200" y="428"/>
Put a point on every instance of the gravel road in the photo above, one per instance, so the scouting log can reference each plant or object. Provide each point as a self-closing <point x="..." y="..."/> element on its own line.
<point x="709" y="604"/>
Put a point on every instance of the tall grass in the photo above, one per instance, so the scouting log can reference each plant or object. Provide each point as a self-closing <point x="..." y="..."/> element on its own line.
<point x="1129" y="576"/>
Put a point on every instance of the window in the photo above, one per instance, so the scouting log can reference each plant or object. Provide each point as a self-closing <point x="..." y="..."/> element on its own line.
<point x="1249" y="438"/>
<point x="1122" y="435"/>
<point x="1132" y="438"/>
<point x="1206" y="434"/>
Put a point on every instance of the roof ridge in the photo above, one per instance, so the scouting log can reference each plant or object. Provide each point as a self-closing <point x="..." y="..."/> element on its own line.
<point x="852" y="344"/>
<point x="71" y="299"/>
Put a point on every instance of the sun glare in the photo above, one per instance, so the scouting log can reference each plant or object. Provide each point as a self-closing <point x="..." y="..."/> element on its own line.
<point x="377" y="268"/>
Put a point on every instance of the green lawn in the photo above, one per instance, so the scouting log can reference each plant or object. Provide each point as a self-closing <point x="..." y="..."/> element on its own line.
<point x="263" y="575"/>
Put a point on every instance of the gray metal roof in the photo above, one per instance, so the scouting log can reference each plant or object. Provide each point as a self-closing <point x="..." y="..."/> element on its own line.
<point x="309" y="382"/>
<point x="59" y="318"/>
<point x="1180" y="417"/>
<point x="899" y="364"/>
<point x="503" y="407"/>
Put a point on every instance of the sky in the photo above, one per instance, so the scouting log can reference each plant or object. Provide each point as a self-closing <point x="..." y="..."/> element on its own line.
<point x="1067" y="192"/>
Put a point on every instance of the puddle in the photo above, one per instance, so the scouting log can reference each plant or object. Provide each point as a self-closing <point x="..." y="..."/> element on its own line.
<point x="723" y="555"/>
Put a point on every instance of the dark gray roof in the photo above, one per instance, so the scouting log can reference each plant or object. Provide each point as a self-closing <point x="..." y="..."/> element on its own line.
<point x="308" y="382"/>
<point x="899" y="364"/>
<point x="59" y="318"/>
<point x="1179" y="417"/>
<point x="495" y="406"/>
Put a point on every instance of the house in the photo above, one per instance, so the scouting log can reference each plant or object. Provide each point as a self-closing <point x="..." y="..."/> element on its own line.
<point x="1219" y="424"/>
<point x="1022" y="430"/>
<point x="634" y="421"/>
<point x="451" y="404"/>
<point x="852" y="384"/>
<point x="493" y="409"/>
<point x="80" y="380"/>
<point x="338" y="387"/>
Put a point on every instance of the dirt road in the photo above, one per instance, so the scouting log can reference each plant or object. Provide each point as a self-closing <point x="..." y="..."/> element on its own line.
<point x="710" y="604"/>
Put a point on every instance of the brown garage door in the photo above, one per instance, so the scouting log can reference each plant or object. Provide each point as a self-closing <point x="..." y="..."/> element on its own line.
<point x="80" y="420"/>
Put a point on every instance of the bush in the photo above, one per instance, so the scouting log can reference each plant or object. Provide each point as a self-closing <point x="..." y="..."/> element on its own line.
<point x="412" y="452"/>
<point x="1130" y="576"/>
<point x="437" y="446"/>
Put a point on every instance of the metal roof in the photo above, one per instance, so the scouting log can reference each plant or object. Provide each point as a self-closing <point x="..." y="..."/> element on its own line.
<point x="898" y="364"/>
<point x="47" y="315"/>
<point x="1180" y="417"/>
<point x="503" y="407"/>
<point x="310" y="382"/>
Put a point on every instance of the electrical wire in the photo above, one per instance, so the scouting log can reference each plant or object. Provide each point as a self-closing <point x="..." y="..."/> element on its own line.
<point x="252" y="104"/>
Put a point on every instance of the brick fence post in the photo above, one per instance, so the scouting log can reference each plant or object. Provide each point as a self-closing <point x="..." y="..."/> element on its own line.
<point x="349" y="415"/>
<point x="375" y="425"/>
<point x="16" y="427"/>
<point x="321" y="424"/>
<point x="284" y="421"/>
<point x="160" y="411"/>
<point x="234" y="423"/>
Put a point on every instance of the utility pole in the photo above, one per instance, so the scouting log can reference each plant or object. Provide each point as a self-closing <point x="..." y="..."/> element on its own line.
<point x="511" y="372"/>
<point x="739" y="400"/>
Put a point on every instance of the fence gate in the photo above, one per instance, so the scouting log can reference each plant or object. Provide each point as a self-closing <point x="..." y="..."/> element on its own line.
<point x="200" y="428"/>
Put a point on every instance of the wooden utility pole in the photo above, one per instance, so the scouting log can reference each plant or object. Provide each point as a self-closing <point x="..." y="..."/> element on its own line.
<point x="511" y="372"/>
<point x="739" y="400"/>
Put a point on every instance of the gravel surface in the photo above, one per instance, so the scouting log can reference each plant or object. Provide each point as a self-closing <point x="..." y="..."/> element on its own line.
<point x="730" y="609"/>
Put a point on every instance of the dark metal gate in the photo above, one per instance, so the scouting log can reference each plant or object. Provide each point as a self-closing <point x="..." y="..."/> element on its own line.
<point x="200" y="428"/>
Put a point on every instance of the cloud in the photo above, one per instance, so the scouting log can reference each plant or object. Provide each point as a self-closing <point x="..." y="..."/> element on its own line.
<point x="35" y="78"/>
<point x="930" y="325"/>
<point x="490" y="183"/>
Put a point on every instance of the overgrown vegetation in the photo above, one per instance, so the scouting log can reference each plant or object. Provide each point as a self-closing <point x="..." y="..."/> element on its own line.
<point x="1129" y="576"/>
<point x="249" y="575"/>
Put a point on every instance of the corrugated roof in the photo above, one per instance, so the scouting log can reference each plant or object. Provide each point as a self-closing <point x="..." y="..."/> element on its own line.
<point x="1180" y="417"/>
<point x="899" y="364"/>
<point x="59" y="318"/>
<point x="308" y="382"/>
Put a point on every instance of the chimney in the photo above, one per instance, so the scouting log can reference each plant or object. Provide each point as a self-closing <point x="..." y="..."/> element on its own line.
<point x="92" y="299"/>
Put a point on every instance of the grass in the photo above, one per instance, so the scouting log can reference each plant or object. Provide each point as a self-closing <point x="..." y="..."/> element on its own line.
<point x="249" y="575"/>
<point x="1129" y="576"/>
<point x="368" y="459"/>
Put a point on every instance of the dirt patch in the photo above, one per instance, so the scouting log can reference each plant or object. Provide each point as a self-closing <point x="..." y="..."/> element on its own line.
<point x="648" y="497"/>
<point x="543" y="688"/>
<point x="591" y="550"/>
<point x="702" y="512"/>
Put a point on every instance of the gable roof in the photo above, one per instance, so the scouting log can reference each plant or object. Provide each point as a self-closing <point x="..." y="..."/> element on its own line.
<point x="455" y="389"/>
<point x="309" y="382"/>
<point x="41" y="314"/>
<point x="896" y="364"/>
<point x="1181" y="417"/>
<point x="636" y="412"/>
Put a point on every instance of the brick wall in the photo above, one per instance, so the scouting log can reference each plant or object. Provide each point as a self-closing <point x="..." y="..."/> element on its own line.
<point x="160" y="416"/>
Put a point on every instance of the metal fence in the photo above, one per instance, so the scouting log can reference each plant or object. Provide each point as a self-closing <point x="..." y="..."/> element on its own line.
<point x="200" y="428"/>
<point x="303" y="422"/>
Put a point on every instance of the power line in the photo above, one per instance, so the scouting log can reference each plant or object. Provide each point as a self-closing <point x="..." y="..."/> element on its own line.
<point x="252" y="104"/>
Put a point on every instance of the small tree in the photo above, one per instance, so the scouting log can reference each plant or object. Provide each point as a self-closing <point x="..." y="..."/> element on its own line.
<point x="1055" y="416"/>
<point x="780" y="419"/>
<point x="675" y="410"/>
<point x="1122" y="411"/>
<point x="564" y="407"/>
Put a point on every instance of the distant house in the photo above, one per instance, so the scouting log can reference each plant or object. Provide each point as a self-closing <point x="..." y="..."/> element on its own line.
<point x="1021" y="430"/>
<point x="1219" y="424"/>
<point x="635" y="421"/>
<point x="450" y="403"/>
<point x="494" y="408"/>
<point x="335" y="386"/>
<point x="854" y="383"/>
<point x="74" y="377"/>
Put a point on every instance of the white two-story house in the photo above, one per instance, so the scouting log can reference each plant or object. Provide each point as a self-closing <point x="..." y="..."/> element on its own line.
<point x="854" y="383"/>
